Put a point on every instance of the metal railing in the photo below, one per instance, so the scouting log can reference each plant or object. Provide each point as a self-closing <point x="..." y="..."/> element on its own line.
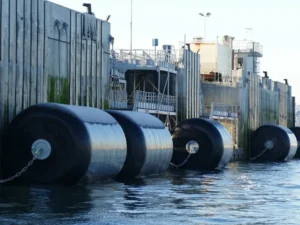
<point x="220" y="110"/>
<point x="206" y="111"/>
<point x="153" y="101"/>
<point x="223" y="110"/>
<point x="117" y="68"/>
<point x="118" y="99"/>
<point x="248" y="46"/>
<point x="228" y="115"/>
<point x="144" y="57"/>
<point x="115" y="72"/>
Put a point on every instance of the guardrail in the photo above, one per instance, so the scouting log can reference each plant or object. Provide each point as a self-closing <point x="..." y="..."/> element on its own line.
<point x="118" y="99"/>
<point x="223" y="110"/>
<point x="139" y="57"/>
<point x="153" y="101"/>
<point x="248" y="46"/>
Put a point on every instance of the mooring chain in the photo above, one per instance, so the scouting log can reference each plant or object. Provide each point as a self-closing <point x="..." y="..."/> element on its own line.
<point x="192" y="147"/>
<point x="19" y="173"/>
<point x="260" y="154"/>
<point x="269" y="144"/>
<point x="181" y="164"/>
<point x="36" y="154"/>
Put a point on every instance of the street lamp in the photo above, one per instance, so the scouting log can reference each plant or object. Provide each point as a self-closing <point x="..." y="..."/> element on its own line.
<point x="130" y="26"/>
<point x="247" y="30"/>
<point x="205" y="16"/>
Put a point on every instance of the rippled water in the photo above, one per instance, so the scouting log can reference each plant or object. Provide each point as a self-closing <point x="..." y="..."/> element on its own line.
<point x="242" y="194"/>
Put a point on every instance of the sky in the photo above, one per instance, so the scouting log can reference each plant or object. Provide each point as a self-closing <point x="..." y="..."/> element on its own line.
<point x="275" y="25"/>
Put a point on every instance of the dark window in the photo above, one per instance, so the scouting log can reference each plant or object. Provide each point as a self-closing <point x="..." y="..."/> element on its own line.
<point x="240" y="61"/>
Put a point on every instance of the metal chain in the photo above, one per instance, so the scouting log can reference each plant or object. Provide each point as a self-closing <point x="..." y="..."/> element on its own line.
<point x="19" y="173"/>
<point x="181" y="164"/>
<point x="260" y="154"/>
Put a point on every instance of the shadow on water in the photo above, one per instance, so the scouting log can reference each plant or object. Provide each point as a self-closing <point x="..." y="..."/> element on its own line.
<point x="132" y="195"/>
<point x="75" y="200"/>
<point x="188" y="184"/>
<point x="14" y="200"/>
<point x="40" y="202"/>
<point x="138" y="182"/>
<point x="194" y="178"/>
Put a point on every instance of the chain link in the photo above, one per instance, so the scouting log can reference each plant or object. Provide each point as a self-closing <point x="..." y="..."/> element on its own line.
<point x="259" y="155"/>
<point x="181" y="164"/>
<point x="19" y="173"/>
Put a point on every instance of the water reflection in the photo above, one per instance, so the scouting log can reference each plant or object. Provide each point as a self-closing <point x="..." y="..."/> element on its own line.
<point x="132" y="196"/>
<point x="69" y="200"/>
<point x="193" y="182"/>
<point x="241" y="194"/>
<point x="15" y="200"/>
<point x="41" y="202"/>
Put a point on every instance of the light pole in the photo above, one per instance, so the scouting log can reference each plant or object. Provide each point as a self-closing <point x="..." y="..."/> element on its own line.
<point x="130" y="26"/>
<point x="247" y="30"/>
<point x="208" y="14"/>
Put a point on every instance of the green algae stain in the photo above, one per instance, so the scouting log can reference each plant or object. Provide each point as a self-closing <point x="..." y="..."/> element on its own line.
<point x="51" y="89"/>
<point x="64" y="96"/>
<point x="106" y="104"/>
<point x="58" y="90"/>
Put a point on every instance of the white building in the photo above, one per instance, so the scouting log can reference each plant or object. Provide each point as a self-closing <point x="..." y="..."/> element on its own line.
<point x="228" y="61"/>
<point x="216" y="59"/>
<point x="247" y="56"/>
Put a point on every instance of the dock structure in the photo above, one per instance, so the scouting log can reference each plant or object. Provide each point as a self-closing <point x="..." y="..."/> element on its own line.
<point x="49" y="53"/>
<point x="243" y="100"/>
<point x="248" y="52"/>
<point x="162" y="82"/>
<point x="148" y="79"/>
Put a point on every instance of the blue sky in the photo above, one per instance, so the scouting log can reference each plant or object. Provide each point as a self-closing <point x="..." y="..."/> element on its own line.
<point x="275" y="25"/>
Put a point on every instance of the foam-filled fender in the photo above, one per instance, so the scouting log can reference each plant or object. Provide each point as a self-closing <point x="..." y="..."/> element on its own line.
<point x="87" y="145"/>
<point x="149" y="144"/>
<point x="296" y="132"/>
<point x="214" y="141"/>
<point x="272" y="143"/>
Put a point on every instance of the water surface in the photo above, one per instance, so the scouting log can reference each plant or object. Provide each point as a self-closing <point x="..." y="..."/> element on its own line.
<point x="241" y="194"/>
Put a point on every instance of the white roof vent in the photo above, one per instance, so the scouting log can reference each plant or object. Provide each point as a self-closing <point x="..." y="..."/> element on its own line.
<point x="198" y="39"/>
